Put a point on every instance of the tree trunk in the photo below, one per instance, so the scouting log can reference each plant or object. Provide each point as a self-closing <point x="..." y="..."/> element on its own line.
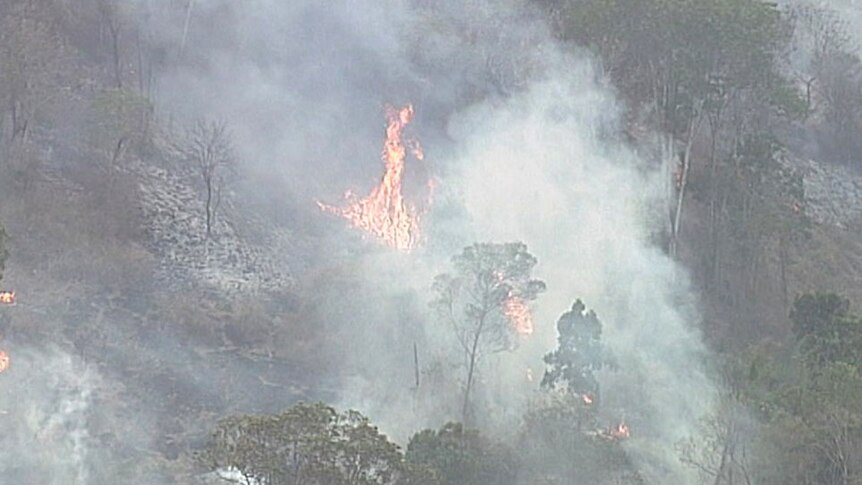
<point x="209" y="207"/>
<point x="697" y="114"/>
<point x="782" y="262"/>
<point x="471" y="369"/>
<point x="115" y="45"/>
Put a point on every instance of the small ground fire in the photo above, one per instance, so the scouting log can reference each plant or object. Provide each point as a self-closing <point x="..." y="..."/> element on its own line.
<point x="7" y="297"/>
<point x="4" y="361"/>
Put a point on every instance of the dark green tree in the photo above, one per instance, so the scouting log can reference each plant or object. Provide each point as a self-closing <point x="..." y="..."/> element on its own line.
<point x="309" y="444"/>
<point x="474" y="300"/>
<point x="579" y="355"/>
<point x="461" y="456"/>
<point x="561" y="444"/>
<point x="826" y="330"/>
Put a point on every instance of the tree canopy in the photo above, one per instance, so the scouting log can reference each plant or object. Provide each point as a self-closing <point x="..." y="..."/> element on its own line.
<point x="473" y="299"/>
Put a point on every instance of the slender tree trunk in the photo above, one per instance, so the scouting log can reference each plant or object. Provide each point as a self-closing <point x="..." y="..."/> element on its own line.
<point x="188" y="20"/>
<point x="782" y="262"/>
<point x="115" y="45"/>
<point x="697" y="114"/>
<point x="471" y="369"/>
<point x="209" y="207"/>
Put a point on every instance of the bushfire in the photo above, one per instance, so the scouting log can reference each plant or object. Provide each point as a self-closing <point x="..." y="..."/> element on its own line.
<point x="7" y="297"/>
<point x="517" y="312"/>
<point x="4" y="361"/>
<point x="384" y="213"/>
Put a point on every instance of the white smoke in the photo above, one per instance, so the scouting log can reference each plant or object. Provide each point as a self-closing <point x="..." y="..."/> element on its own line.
<point x="45" y="403"/>
<point x="538" y="169"/>
<point x="531" y="153"/>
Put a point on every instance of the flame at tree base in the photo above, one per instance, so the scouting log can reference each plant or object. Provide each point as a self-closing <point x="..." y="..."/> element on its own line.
<point x="384" y="213"/>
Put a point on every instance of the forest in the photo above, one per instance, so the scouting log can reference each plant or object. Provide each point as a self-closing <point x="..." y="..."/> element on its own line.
<point x="608" y="242"/>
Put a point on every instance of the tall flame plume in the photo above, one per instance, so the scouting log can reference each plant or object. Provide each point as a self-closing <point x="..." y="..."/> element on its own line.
<point x="384" y="213"/>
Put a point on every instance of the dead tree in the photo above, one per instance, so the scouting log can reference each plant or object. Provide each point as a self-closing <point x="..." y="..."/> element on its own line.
<point x="207" y="145"/>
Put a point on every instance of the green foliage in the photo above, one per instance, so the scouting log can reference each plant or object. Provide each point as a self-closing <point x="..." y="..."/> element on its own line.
<point x="826" y="331"/>
<point x="808" y="397"/>
<point x="813" y="313"/>
<point x="309" y="444"/>
<point x="674" y="54"/>
<point x="578" y="355"/>
<point x="473" y="299"/>
<point x="560" y="441"/>
<point x="461" y="456"/>
<point x="119" y="121"/>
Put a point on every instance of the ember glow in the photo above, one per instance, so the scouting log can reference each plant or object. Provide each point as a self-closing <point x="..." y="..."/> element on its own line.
<point x="384" y="213"/>
<point x="621" y="431"/>
<point x="4" y="361"/>
<point x="7" y="297"/>
<point x="517" y="312"/>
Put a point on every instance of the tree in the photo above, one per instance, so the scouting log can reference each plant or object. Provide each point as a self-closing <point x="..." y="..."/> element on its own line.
<point x="826" y="331"/>
<point x="3" y="253"/>
<point x="579" y="354"/>
<point x="112" y="19"/>
<point x="120" y="121"/>
<point x="309" y="444"/>
<point x="31" y="66"/>
<point x="208" y="146"/>
<point x="460" y="456"/>
<point x="686" y="63"/>
<point x="474" y="300"/>
<point x="561" y="445"/>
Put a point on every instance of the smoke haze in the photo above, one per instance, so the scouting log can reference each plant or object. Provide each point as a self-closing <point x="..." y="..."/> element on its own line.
<point x="525" y="140"/>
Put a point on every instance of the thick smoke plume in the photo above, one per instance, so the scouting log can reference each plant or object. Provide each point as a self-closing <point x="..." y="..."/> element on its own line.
<point x="525" y="140"/>
<point x="46" y="409"/>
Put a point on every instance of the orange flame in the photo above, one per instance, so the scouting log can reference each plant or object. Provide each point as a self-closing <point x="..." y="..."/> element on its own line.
<point x="7" y="297"/>
<point x="384" y="213"/>
<point x="4" y="361"/>
<point x="621" y="431"/>
<point x="516" y="310"/>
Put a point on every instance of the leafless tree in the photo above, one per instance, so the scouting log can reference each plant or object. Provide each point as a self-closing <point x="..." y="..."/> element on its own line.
<point x="208" y="146"/>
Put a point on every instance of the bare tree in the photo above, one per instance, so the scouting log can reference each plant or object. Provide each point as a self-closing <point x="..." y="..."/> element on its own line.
<point x="208" y="146"/>
<point x="112" y="20"/>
